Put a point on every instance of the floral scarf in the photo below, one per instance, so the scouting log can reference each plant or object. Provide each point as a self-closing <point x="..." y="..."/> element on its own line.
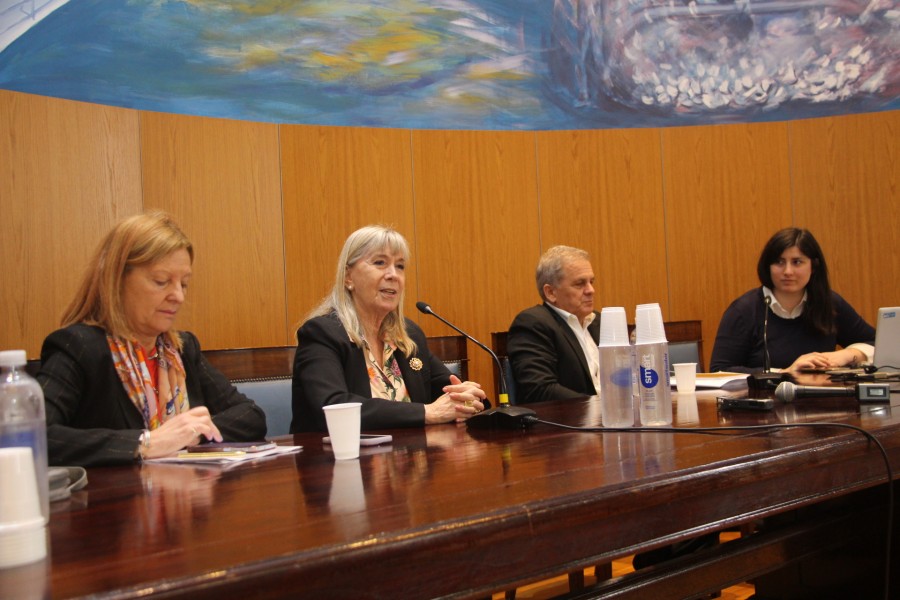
<point x="157" y="405"/>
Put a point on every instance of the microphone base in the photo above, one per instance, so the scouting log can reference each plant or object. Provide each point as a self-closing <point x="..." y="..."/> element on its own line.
<point x="765" y="381"/>
<point x="504" y="416"/>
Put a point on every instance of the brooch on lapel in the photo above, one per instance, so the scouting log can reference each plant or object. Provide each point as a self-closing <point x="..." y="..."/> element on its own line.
<point x="415" y="364"/>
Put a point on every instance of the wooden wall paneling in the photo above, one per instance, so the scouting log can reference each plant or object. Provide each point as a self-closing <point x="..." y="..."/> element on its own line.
<point x="336" y="180"/>
<point x="846" y="187"/>
<point x="68" y="172"/>
<point x="602" y="191"/>
<point x="477" y="232"/>
<point x="220" y="179"/>
<point x="727" y="190"/>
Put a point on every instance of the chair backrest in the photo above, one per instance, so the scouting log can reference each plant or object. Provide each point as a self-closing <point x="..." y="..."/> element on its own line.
<point x="453" y="352"/>
<point x="685" y="342"/>
<point x="263" y="375"/>
<point x="498" y="345"/>
<point x="273" y="396"/>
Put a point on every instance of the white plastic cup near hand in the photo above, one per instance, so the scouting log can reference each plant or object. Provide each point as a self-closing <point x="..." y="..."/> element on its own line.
<point x="22" y="535"/>
<point x="685" y="376"/>
<point x="343" y="428"/>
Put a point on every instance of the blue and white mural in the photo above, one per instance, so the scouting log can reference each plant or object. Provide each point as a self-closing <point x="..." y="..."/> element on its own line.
<point x="461" y="64"/>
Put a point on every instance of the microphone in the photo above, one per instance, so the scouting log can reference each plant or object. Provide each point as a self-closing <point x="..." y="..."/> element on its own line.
<point x="765" y="380"/>
<point x="787" y="391"/>
<point x="505" y="416"/>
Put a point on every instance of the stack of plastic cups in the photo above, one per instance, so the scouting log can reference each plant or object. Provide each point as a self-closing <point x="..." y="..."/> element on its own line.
<point x="22" y="533"/>
<point x="616" y="401"/>
<point x="652" y="354"/>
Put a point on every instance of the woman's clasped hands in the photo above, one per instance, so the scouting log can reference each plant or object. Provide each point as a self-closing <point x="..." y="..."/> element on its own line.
<point x="461" y="400"/>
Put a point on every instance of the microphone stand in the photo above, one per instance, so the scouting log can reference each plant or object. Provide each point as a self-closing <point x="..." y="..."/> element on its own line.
<point x="505" y="415"/>
<point x="767" y="380"/>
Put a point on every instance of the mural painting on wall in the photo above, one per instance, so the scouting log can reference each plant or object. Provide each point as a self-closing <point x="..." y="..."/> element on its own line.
<point x="461" y="64"/>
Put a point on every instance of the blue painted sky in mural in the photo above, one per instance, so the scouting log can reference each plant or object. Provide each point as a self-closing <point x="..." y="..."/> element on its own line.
<point x="468" y="64"/>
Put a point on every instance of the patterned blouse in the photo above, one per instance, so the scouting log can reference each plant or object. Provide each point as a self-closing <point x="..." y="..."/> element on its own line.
<point x="385" y="378"/>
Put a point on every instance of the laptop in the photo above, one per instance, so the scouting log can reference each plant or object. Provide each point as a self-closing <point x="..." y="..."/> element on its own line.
<point x="887" y="339"/>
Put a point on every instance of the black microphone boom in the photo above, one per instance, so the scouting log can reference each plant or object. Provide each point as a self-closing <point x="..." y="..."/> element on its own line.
<point x="425" y="308"/>
<point x="505" y="416"/>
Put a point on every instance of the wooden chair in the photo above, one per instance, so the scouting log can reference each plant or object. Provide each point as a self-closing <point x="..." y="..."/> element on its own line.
<point x="264" y="375"/>
<point x="453" y="352"/>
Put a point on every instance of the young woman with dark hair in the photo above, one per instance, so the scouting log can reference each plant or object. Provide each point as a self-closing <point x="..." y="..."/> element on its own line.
<point x="795" y="317"/>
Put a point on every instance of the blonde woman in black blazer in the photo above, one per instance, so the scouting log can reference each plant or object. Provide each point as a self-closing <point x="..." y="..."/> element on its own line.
<point x="356" y="346"/>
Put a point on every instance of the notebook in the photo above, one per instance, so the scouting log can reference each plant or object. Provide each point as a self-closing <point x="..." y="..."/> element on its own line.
<point x="887" y="339"/>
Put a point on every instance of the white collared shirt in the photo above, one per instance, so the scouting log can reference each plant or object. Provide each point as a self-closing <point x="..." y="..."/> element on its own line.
<point x="588" y="344"/>
<point x="779" y="310"/>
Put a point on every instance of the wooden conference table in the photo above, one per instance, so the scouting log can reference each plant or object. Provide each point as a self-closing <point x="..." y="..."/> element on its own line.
<point x="452" y="512"/>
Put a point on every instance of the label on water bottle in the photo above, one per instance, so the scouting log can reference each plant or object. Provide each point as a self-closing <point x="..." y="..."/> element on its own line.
<point x="649" y="377"/>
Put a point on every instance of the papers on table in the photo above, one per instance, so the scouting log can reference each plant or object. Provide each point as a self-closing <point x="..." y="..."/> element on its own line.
<point x="224" y="458"/>
<point x="721" y="380"/>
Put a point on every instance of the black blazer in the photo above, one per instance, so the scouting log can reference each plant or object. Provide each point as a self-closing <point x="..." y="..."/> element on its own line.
<point x="330" y="369"/>
<point x="90" y="419"/>
<point x="546" y="358"/>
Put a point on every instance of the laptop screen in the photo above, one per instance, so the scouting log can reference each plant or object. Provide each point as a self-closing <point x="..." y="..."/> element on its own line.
<point x="887" y="339"/>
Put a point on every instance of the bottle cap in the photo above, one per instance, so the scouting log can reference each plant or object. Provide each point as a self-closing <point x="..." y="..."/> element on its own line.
<point x="649" y="324"/>
<point x="613" y="327"/>
<point x="13" y="358"/>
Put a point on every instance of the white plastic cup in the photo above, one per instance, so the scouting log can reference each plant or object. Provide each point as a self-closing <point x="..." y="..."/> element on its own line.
<point x="685" y="376"/>
<point x="22" y="535"/>
<point x="613" y="326"/>
<point x="343" y="428"/>
<point x="648" y="324"/>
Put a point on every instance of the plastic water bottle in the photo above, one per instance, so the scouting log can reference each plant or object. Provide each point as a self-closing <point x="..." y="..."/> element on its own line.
<point x="22" y="421"/>
<point x="616" y="399"/>
<point x="652" y="358"/>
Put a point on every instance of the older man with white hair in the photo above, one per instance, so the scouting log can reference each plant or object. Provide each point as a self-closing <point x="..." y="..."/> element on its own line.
<point x="552" y="347"/>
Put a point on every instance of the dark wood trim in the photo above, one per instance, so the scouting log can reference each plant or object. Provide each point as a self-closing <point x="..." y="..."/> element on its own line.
<point x="241" y="364"/>
<point x="238" y="364"/>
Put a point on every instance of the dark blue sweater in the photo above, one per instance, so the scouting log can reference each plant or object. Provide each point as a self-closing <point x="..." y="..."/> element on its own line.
<point x="739" y="341"/>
